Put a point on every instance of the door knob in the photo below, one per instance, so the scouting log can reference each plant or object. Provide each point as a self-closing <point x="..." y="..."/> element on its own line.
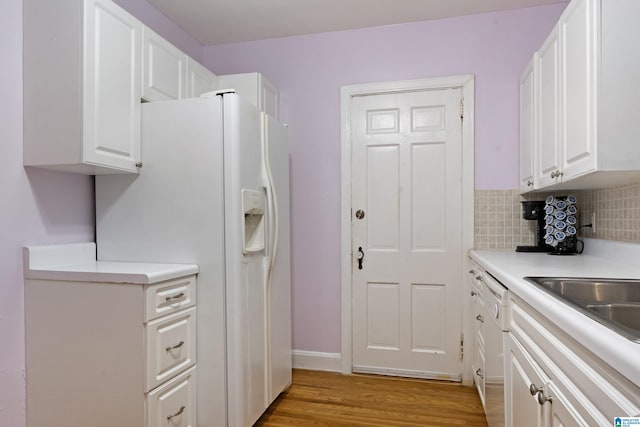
<point x="360" y="257"/>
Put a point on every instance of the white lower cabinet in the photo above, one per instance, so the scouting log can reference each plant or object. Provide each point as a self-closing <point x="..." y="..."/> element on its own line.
<point x="524" y="375"/>
<point x="478" y="364"/>
<point x="553" y="381"/>
<point x="534" y="399"/>
<point x="110" y="353"/>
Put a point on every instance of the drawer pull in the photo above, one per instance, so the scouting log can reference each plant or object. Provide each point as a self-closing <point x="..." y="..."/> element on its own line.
<point x="479" y="373"/>
<point x="174" y="297"/>
<point x="474" y="293"/>
<point x="479" y="318"/>
<point x="177" y="414"/>
<point x="180" y="344"/>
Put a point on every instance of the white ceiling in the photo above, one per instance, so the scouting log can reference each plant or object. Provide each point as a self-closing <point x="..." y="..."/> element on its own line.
<point x="226" y="21"/>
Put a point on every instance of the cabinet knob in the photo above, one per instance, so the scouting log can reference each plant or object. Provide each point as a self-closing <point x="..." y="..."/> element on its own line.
<point x="543" y="398"/>
<point x="479" y="373"/>
<point x="474" y="293"/>
<point x="529" y="183"/>
<point x="472" y="271"/>
<point x="534" y="389"/>
<point x="479" y="318"/>
<point x="553" y="174"/>
<point x="139" y="165"/>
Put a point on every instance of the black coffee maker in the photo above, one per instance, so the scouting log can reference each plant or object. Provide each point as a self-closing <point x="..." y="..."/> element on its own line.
<point x="534" y="211"/>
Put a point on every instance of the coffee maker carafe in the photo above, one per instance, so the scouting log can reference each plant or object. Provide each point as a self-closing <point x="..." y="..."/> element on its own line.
<point x="534" y="211"/>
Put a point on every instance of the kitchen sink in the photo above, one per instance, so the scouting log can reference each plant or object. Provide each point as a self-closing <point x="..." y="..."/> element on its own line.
<point x="613" y="302"/>
<point x="625" y="314"/>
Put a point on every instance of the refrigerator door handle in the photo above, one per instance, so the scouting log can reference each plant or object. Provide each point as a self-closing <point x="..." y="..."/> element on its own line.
<point x="272" y="202"/>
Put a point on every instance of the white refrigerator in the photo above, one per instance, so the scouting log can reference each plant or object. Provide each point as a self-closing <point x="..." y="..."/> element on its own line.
<point x="214" y="191"/>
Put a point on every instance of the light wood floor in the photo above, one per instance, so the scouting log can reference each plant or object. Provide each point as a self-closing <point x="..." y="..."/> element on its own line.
<point x="329" y="399"/>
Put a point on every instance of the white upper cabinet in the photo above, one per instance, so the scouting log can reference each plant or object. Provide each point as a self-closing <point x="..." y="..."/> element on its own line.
<point x="81" y="86"/>
<point x="579" y="31"/>
<point x="169" y="73"/>
<point x="586" y="126"/>
<point x="527" y="128"/>
<point x="255" y="88"/>
<point x="199" y="79"/>
<point x="164" y="68"/>
<point x="547" y="146"/>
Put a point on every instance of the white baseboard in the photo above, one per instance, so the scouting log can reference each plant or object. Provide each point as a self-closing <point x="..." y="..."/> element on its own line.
<point x="317" y="361"/>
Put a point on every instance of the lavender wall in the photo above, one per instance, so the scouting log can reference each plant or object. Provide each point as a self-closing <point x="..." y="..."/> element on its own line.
<point x="309" y="71"/>
<point x="37" y="206"/>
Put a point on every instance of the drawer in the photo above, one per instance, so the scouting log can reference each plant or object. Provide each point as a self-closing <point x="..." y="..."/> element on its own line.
<point x="171" y="346"/>
<point x="169" y="297"/>
<point x="174" y="403"/>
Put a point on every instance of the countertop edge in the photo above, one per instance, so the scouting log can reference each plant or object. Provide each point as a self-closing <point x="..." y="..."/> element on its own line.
<point x="147" y="274"/>
<point x="614" y="350"/>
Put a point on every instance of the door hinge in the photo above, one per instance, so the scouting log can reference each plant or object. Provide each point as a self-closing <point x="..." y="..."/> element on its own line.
<point x="461" y="346"/>
<point x="461" y="108"/>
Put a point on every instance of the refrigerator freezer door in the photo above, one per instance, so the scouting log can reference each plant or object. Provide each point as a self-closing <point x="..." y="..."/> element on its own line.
<point x="245" y="284"/>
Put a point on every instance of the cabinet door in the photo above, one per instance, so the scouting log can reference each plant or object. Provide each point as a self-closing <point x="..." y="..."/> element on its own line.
<point x="527" y="126"/>
<point x="523" y="409"/>
<point x="111" y="86"/>
<point x="548" y="148"/>
<point x="578" y="32"/>
<point x="563" y="414"/>
<point x="199" y="79"/>
<point x="478" y="364"/>
<point x="164" y="68"/>
<point x="270" y="97"/>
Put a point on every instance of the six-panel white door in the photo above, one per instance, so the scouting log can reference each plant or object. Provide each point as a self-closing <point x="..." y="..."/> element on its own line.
<point x="406" y="181"/>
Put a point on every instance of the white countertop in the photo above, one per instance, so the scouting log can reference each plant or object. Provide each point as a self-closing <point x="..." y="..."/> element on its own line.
<point x="510" y="267"/>
<point x="77" y="262"/>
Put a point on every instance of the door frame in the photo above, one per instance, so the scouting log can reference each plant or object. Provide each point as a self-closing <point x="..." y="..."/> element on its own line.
<point x="464" y="82"/>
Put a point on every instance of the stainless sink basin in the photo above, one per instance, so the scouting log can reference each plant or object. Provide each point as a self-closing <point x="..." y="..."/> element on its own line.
<point x="625" y="314"/>
<point x="613" y="302"/>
